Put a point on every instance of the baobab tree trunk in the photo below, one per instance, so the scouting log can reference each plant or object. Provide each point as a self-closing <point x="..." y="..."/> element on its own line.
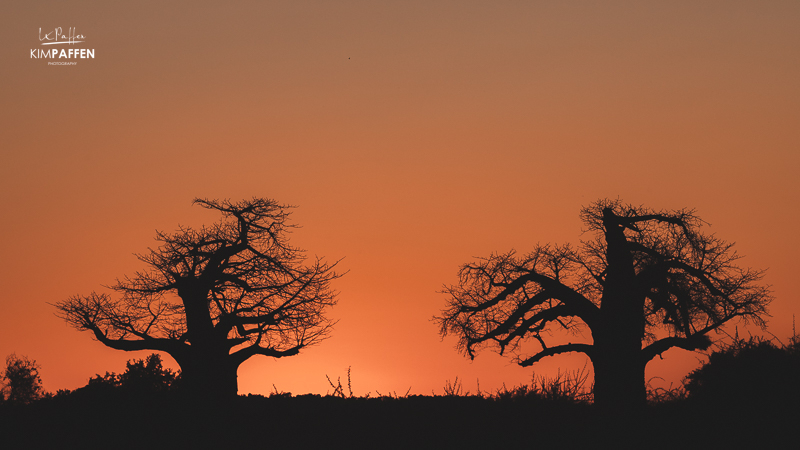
<point x="207" y="369"/>
<point x="618" y="366"/>
<point x="212" y="377"/>
<point x="619" y="383"/>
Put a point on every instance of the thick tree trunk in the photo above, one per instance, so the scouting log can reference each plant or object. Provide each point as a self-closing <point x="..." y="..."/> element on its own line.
<point x="206" y="368"/>
<point x="617" y="356"/>
<point x="210" y="377"/>
<point x="619" y="384"/>
<point x="618" y="366"/>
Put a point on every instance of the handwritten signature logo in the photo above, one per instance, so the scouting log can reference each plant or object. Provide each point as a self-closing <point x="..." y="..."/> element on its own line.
<point x="57" y="37"/>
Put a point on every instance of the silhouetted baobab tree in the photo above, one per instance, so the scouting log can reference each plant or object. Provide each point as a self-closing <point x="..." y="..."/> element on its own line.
<point x="647" y="282"/>
<point x="216" y="296"/>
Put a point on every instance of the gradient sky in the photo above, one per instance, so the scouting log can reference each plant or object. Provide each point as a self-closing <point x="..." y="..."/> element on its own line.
<point x="412" y="136"/>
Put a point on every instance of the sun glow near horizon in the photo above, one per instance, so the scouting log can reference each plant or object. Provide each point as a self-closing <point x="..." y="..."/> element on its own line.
<point x="413" y="138"/>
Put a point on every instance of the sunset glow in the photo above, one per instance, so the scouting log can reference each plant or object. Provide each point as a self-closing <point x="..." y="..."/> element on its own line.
<point x="412" y="137"/>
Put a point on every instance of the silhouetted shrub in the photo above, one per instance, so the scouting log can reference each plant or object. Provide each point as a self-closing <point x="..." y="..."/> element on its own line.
<point x="141" y="376"/>
<point x="21" y="381"/>
<point x="148" y="375"/>
<point x="746" y="373"/>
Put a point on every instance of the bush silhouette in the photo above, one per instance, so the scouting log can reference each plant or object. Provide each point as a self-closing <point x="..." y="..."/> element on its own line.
<point x="21" y="381"/>
<point x="747" y="373"/>
<point x="141" y="376"/>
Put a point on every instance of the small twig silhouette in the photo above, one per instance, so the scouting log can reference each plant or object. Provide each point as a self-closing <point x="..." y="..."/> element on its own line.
<point x="338" y="390"/>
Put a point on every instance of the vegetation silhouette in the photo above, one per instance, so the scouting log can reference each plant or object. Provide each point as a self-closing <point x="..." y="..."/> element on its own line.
<point x="648" y="281"/>
<point x="144" y="407"/>
<point x="685" y="284"/>
<point x="750" y="374"/>
<point x="141" y="377"/>
<point x="214" y="297"/>
<point x="21" y="383"/>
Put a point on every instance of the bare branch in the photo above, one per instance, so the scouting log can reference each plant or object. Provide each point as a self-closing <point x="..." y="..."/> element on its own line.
<point x="557" y="350"/>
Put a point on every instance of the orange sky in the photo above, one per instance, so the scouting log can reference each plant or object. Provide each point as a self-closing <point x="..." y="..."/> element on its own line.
<point x="413" y="136"/>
